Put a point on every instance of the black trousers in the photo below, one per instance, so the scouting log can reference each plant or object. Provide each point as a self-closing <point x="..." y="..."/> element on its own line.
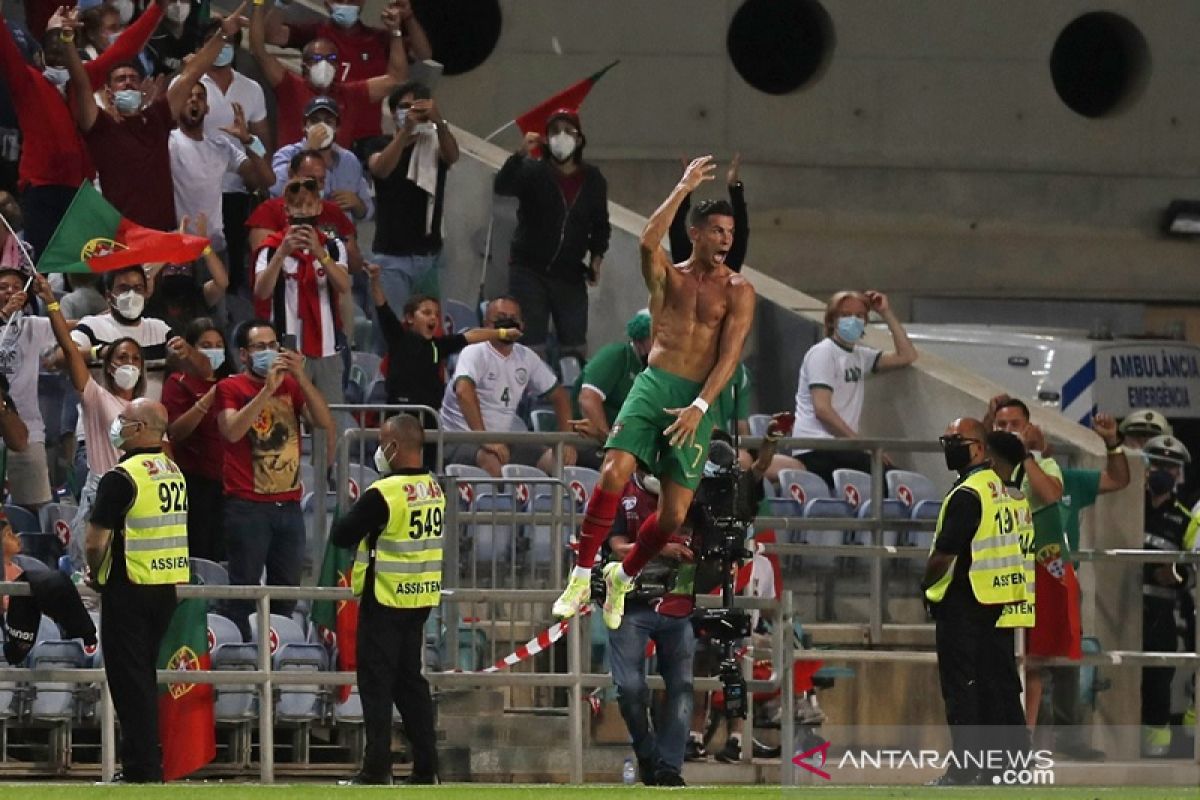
<point x="390" y="643"/>
<point x="44" y="207"/>
<point x="133" y="620"/>
<point x="1159" y="634"/>
<point x="235" y="210"/>
<point x="206" y="523"/>
<point x="980" y="685"/>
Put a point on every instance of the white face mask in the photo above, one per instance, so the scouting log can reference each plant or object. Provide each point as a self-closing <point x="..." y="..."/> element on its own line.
<point x="57" y="75"/>
<point x="126" y="376"/>
<point x="114" y="434"/>
<point x="178" y="12"/>
<point x="324" y="131"/>
<point x="124" y="10"/>
<point x="562" y="146"/>
<point x="130" y="305"/>
<point x="382" y="466"/>
<point x="321" y="74"/>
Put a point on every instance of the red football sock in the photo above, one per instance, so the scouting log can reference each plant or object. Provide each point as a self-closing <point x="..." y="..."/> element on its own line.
<point x="597" y="522"/>
<point x="650" y="541"/>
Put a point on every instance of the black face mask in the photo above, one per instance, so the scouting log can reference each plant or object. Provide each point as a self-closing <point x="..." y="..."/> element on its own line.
<point x="1159" y="482"/>
<point x="958" y="455"/>
<point x="506" y="322"/>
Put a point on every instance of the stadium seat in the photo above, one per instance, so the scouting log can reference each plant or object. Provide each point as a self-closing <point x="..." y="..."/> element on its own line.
<point x="308" y="478"/>
<point x="22" y="520"/>
<point x="927" y="510"/>
<point x="56" y="518"/>
<point x="910" y="488"/>
<point x="827" y="508"/>
<point x="236" y="705"/>
<point x="892" y="509"/>
<point x="349" y="711"/>
<point x="377" y="393"/>
<point x="540" y="537"/>
<point x="300" y="704"/>
<point x="525" y="492"/>
<point x="492" y="542"/>
<point x="29" y="563"/>
<point x="758" y="424"/>
<point x="284" y="630"/>
<point x="467" y="490"/>
<point x="52" y="701"/>
<point x="544" y="420"/>
<point x="45" y="547"/>
<point x="365" y="366"/>
<point x="222" y="630"/>
<point x="801" y="485"/>
<point x="582" y="482"/>
<point x="209" y="573"/>
<point x="569" y="370"/>
<point x="852" y="485"/>
<point x="457" y="316"/>
<point x="361" y="478"/>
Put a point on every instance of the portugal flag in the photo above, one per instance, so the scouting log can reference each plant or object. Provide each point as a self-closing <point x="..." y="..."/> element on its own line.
<point x="186" y="724"/>
<point x="338" y="620"/>
<point x="572" y="97"/>
<point x="94" y="237"/>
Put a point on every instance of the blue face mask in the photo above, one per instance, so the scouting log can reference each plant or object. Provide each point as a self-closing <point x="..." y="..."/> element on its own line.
<point x="215" y="356"/>
<point x="850" y="329"/>
<point x="343" y="15"/>
<point x="128" y="101"/>
<point x="260" y="362"/>
<point x="225" y="57"/>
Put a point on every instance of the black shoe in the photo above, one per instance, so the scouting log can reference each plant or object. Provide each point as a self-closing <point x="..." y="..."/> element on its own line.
<point x="646" y="770"/>
<point x="1078" y="751"/>
<point x="668" y="777"/>
<point x="126" y="777"/>
<point x="420" y="780"/>
<point x="695" y="751"/>
<point x="956" y="779"/>
<point x="731" y="753"/>
<point x="761" y="750"/>
<point x="366" y="779"/>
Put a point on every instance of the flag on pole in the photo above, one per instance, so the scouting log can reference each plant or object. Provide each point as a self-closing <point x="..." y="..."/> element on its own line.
<point x="94" y="237"/>
<point x="186" y="720"/>
<point x="572" y="97"/>
<point x="337" y="620"/>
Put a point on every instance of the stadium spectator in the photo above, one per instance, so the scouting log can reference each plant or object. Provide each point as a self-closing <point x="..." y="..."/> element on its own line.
<point x="604" y="383"/>
<point x="13" y="254"/>
<point x="299" y="275"/>
<point x="345" y="183"/>
<point x="137" y="136"/>
<point x="227" y="87"/>
<point x="13" y="431"/>
<point x="561" y="218"/>
<point x="831" y="387"/>
<point x="320" y="66"/>
<point x="410" y="182"/>
<point x="416" y="355"/>
<point x="490" y="380"/>
<point x="180" y="293"/>
<point x="177" y="37"/>
<point x="122" y="379"/>
<point x="1142" y="426"/>
<point x="100" y="30"/>
<point x="363" y="49"/>
<point x="196" y="441"/>
<point x="54" y="159"/>
<point x="681" y="245"/>
<point x="258" y="414"/>
<point x="200" y="160"/>
<point x="21" y="350"/>
<point x="83" y="298"/>
<point x="271" y="216"/>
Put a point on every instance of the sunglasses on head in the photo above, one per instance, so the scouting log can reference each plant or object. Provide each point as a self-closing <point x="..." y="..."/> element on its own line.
<point x="308" y="183"/>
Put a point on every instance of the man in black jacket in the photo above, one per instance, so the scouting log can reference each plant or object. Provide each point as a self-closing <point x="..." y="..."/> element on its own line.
<point x="562" y="217"/>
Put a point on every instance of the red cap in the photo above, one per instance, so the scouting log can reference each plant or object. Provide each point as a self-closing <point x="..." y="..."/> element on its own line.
<point x="569" y="114"/>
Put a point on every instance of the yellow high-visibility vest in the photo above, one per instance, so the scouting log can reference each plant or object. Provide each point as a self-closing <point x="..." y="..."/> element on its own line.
<point x="1023" y="613"/>
<point x="156" y="544"/>
<point x="997" y="572"/>
<point x="408" y="553"/>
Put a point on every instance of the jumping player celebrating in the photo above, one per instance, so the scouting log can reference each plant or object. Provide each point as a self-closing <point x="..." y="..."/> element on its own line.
<point x="702" y="312"/>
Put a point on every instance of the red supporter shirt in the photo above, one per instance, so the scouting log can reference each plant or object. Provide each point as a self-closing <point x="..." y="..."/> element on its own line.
<point x="354" y="98"/>
<point x="362" y="51"/>
<point x="203" y="452"/>
<point x="272" y="216"/>
<point x="134" y="163"/>
<point x="570" y="185"/>
<point x="264" y="466"/>
<point x="52" y="151"/>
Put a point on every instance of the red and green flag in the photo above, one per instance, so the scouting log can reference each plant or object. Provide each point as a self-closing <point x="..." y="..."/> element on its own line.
<point x="337" y="620"/>
<point x="94" y="237"/>
<point x="572" y="98"/>
<point x="186" y="720"/>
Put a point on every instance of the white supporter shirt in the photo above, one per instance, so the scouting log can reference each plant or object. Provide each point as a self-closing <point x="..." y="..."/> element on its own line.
<point x="245" y="92"/>
<point x="196" y="170"/>
<point x="20" y="362"/>
<point x="843" y="371"/>
<point x="150" y="333"/>
<point x="500" y="383"/>
<point x="291" y="295"/>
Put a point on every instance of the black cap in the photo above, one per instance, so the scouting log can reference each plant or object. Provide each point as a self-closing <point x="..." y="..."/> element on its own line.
<point x="322" y="104"/>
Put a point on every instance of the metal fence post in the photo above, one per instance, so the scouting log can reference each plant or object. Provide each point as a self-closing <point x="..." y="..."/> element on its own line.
<point x="787" y="695"/>
<point x="575" y="716"/>
<point x="108" y="735"/>
<point x="450" y="544"/>
<point x="877" y="541"/>
<point x="266" y="711"/>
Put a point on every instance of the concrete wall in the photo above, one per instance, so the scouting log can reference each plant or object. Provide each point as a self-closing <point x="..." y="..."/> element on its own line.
<point x="932" y="157"/>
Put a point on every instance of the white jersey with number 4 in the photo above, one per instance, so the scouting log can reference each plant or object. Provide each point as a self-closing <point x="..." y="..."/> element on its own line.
<point x="500" y="383"/>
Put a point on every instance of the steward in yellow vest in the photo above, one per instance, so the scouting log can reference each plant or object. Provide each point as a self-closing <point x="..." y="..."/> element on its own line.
<point x="137" y="551"/>
<point x="396" y="530"/>
<point x="975" y="568"/>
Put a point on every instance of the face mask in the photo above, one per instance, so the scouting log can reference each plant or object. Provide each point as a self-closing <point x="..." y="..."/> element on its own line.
<point x="128" y="101"/>
<point x="958" y="456"/>
<point x="225" y="57"/>
<point x="114" y="434"/>
<point x="562" y="146"/>
<point x="343" y="16"/>
<point x="321" y="74"/>
<point x="324" y="131"/>
<point x="130" y="304"/>
<point x="178" y="12"/>
<point x="112" y="38"/>
<point x="124" y="10"/>
<point x="1160" y="481"/>
<point x="382" y="466"/>
<point x="126" y="376"/>
<point x="850" y="329"/>
<point x="215" y="356"/>
<point x="57" y="75"/>
<point x="260" y="362"/>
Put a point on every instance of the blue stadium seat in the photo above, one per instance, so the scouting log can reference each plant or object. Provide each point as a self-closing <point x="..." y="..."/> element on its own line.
<point x="53" y="701"/>
<point x="22" y="520"/>
<point x="758" y="424"/>
<point x="827" y="507"/>
<point x="852" y="485"/>
<point x="582" y="482"/>
<point x="45" y="547"/>
<point x="493" y="541"/>
<point x="236" y="705"/>
<point x="543" y="420"/>
<point x="209" y="573"/>
<point x="801" y="485"/>
<point x="569" y="369"/>
<point x="222" y="630"/>
<point x="892" y="509"/>
<point x="56" y="518"/>
<point x="457" y="316"/>
<point x="284" y="630"/>
<point x="300" y="704"/>
<point x="910" y="487"/>
<point x="467" y="490"/>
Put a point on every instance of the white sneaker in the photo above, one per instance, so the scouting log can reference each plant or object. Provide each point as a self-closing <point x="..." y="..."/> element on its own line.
<point x="573" y="599"/>
<point x="614" y="601"/>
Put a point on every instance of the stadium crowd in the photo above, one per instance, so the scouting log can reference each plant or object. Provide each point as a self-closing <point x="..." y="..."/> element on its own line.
<point x="286" y="312"/>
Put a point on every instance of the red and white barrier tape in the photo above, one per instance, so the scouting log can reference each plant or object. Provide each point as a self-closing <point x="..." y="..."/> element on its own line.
<point x="537" y="644"/>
